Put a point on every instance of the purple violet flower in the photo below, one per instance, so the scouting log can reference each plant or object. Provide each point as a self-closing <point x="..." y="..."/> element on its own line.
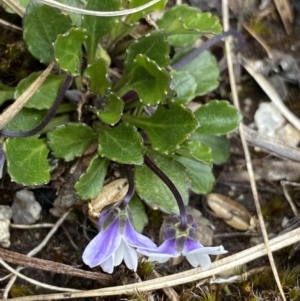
<point x="116" y="241"/>
<point x="182" y="242"/>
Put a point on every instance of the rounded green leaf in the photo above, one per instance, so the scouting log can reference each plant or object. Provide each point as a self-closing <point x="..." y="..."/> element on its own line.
<point x="200" y="174"/>
<point x="26" y="120"/>
<point x="91" y="182"/>
<point x="71" y="140"/>
<point x="184" y="25"/>
<point x="205" y="70"/>
<point x="138" y="213"/>
<point x="217" y="117"/>
<point x="149" y="81"/>
<point x="154" y="192"/>
<point x="75" y="17"/>
<point x="42" y="24"/>
<point x="153" y="45"/>
<point x="168" y="127"/>
<point x="27" y="160"/>
<point x="6" y="93"/>
<point x="67" y="50"/>
<point x="97" y="72"/>
<point x="196" y="150"/>
<point x="45" y="95"/>
<point x="159" y="6"/>
<point x="97" y="27"/>
<point x="219" y="145"/>
<point x="185" y="86"/>
<point x="112" y="110"/>
<point x="121" y="143"/>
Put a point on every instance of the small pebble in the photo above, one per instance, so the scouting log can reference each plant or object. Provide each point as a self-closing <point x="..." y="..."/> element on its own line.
<point x="25" y="209"/>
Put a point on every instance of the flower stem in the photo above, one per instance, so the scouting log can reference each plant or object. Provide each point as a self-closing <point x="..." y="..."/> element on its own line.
<point x="50" y="114"/>
<point x="131" y="187"/>
<point x="193" y="54"/>
<point x="150" y="163"/>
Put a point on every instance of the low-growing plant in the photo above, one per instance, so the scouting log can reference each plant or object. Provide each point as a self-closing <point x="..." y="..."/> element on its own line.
<point x="132" y="89"/>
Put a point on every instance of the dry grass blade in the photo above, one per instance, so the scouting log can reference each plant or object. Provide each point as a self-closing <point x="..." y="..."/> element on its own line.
<point x="220" y="266"/>
<point x="16" y="7"/>
<point x="16" y="107"/>
<point x="246" y="150"/>
<point x="98" y="13"/>
<point x="10" y="26"/>
<point x="285" y="12"/>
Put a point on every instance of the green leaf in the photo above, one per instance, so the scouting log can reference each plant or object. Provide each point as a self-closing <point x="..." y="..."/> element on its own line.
<point x="206" y="72"/>
<point x="139" y="216"/>
<point x="27" y="160"/>
<point x="196" y="150"/>
<point x="121" y="143"/>
<point x="154" y="192"/>
<point x="42" y="24"/>
<point x="153" y="45"/>
<point x="184" y="25"/>
<point x="185" y="86"/>
<point x="6" y="93"/>
<point x="138" y="15"/>
<point x="91" y="182"/>
<point x="219" y="145"/>
<point x="26" y="120"/>
<point x="112" y="111"/>
<point x="45" y="95"/>
<point x="217" y="117"/>
<point x="71" y="140"/>
<point x="67" y="50"/>
<point x="97" y="27"/>
<point x="168" y="127"/>
<point x="149" y="81"/>
<point x="97" y="72"/>
<point x="200" y="174"/>
<point x="75" y="17"/>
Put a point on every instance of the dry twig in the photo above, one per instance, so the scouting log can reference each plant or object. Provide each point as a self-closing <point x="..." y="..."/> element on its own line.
<point x="246" y="150"/>
<point x="16" y="107"/>
<point x="51" y="266"/>
<point x="195" y="274"/>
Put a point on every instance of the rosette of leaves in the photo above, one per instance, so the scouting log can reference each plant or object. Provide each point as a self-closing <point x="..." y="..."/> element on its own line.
<point x="123" y="117"/>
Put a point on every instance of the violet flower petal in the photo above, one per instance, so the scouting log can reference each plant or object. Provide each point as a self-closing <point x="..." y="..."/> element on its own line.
<point x="119" y="254"/>
<point x="197" y="259"/>
<point x="108" y="265"/>
<point x="102" y="246"/>
<point x="137" y="240"/>
<point x="130" y="257"/>
<point x="163" y="253"/>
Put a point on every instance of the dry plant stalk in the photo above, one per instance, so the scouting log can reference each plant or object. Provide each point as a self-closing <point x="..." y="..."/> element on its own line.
<point x="15" y="6"/>
<point x="195" y="274"/>
<point x="285" y="12"/>
<point x="16" y="107"/>
<point x="246" y="150"/>
<point x="51" y="266"/>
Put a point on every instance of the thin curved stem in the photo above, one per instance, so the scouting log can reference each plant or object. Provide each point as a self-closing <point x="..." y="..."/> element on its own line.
<point x="149" y="162"/>
<point x="50" y="114"/>
<point x="192" y="55"/>
<point x="97" y="13"/>
<point x="131" y="187"/>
